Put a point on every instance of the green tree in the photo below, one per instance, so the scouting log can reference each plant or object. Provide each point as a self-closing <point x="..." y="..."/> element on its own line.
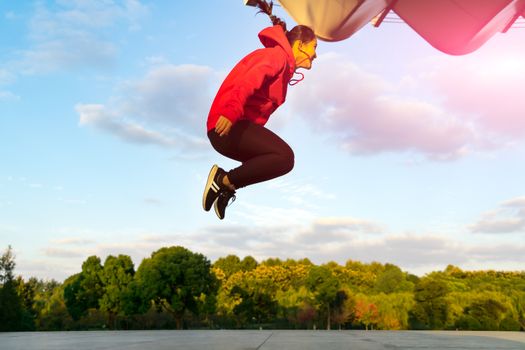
<point x="7" y="266"/>
<point x="177" y="280"/>
<point x="83" y="291"/>
<point x="229" y="265"/>
<point x="295" y="305"/>
<point x="509" y="324"/>
<point x="116" y="275"/>
<point x="431" y="308"/>
<point x="52" y="313"/>
<point x="467" y="322"/>
<point x="341" y="307"/>
<point x="325" y="286"/>
<point x="272" y="262"/>
<point x="76" y="307"/>
<point x="256" y="305"/>
<point x="391" y="280"/>
<point x="91" y="283"/>
<point x="248" y="264"/>
<point x="393" y="309"/>
<point x="133" y="299"/>
<point x="27" y="292"/>
<point x="359" y="276"/>
<point x="11" y="311"/>
<point x="488" y="312"/>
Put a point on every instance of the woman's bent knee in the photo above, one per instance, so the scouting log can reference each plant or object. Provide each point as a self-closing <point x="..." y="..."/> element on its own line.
<point x="288" y="160"/>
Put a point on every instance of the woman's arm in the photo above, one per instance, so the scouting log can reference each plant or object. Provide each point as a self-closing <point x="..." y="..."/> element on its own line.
<point x="265" y="64"/>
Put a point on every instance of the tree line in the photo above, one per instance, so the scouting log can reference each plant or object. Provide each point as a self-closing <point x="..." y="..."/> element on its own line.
<point x="176" y="288"/>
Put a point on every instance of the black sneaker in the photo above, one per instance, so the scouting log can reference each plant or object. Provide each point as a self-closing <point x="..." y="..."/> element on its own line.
<point x="214" y="186"/>
<point x="222" y="202"/>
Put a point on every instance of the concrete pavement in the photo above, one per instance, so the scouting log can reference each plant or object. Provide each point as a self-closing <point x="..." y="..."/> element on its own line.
<point x="263" y="340"/>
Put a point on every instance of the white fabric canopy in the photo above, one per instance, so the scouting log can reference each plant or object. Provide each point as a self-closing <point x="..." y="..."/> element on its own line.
<point x="452" y="26"/>
<point x="333" y="20"/>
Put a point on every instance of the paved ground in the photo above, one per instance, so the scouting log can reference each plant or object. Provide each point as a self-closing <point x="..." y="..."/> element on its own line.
<point x="263" y="340"/>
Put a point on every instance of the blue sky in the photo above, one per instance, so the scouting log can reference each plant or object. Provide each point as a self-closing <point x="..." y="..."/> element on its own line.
<point x="403" y="154"/>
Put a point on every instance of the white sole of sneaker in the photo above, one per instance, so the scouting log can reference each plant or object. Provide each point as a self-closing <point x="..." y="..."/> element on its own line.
<point x="217" y="211"/>
<point x="211" y="176"/>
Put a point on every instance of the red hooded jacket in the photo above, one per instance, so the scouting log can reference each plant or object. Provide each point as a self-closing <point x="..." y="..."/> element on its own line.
<point x="257" y="85"/>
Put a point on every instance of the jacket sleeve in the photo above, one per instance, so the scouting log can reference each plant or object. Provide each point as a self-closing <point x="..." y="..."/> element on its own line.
<point x="267" y="63"/>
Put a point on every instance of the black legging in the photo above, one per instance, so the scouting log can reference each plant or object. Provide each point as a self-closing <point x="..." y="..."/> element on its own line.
<point x="263" y="154"/>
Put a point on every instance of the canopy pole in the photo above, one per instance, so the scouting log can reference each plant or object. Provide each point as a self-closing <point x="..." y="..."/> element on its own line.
<point x="519" y="12"/>
<point x="376" y="21"/>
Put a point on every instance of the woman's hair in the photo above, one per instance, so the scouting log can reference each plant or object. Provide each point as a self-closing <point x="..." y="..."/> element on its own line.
<point x="300" y="32"/>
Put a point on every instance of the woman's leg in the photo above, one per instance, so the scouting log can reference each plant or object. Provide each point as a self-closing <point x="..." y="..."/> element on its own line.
<point x="263" y="154"/>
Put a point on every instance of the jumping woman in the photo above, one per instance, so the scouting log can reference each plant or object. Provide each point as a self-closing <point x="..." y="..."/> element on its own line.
<point x="251" y="92"/>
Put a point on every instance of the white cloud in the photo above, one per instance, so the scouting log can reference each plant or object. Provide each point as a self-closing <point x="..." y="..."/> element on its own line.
<point x="518" y="202"/>
<point x="299" y="192"/>
<point x="99" y="117"/>
<point x="6" y="77"/>
<point x="324" y="239"/>
<point x="268" y="214"/>
<point x="76" y="34"/>
<point x="73" y="241"/>
<point x="306" y="197"/>
<point x="346" y="223"/>
<point x="509" y="217"/>
<point x="77" y="51"/>
<point x="168" y="108"/>
<point x="68" y="253"/>
<point x="367" y="114"/>
<point x="416" y="253"/>
<point x="443" y="108"/>
<point x="46" y="268"/>
<point x="153" y="201"/>
<point x="484" y="86"/>
<point x="174" y="95"/>
<point x="99" y="13"/>
<point x="8" y="96"/>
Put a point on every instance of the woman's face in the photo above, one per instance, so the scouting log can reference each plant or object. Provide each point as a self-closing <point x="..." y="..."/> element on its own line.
<point x="304" y="53"/>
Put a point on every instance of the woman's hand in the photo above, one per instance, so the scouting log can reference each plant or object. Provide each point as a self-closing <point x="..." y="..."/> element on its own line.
<point x="223" y="126"/>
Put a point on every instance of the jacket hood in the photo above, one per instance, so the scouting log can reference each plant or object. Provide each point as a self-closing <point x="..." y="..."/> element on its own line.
<point x="275" y="36"/>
